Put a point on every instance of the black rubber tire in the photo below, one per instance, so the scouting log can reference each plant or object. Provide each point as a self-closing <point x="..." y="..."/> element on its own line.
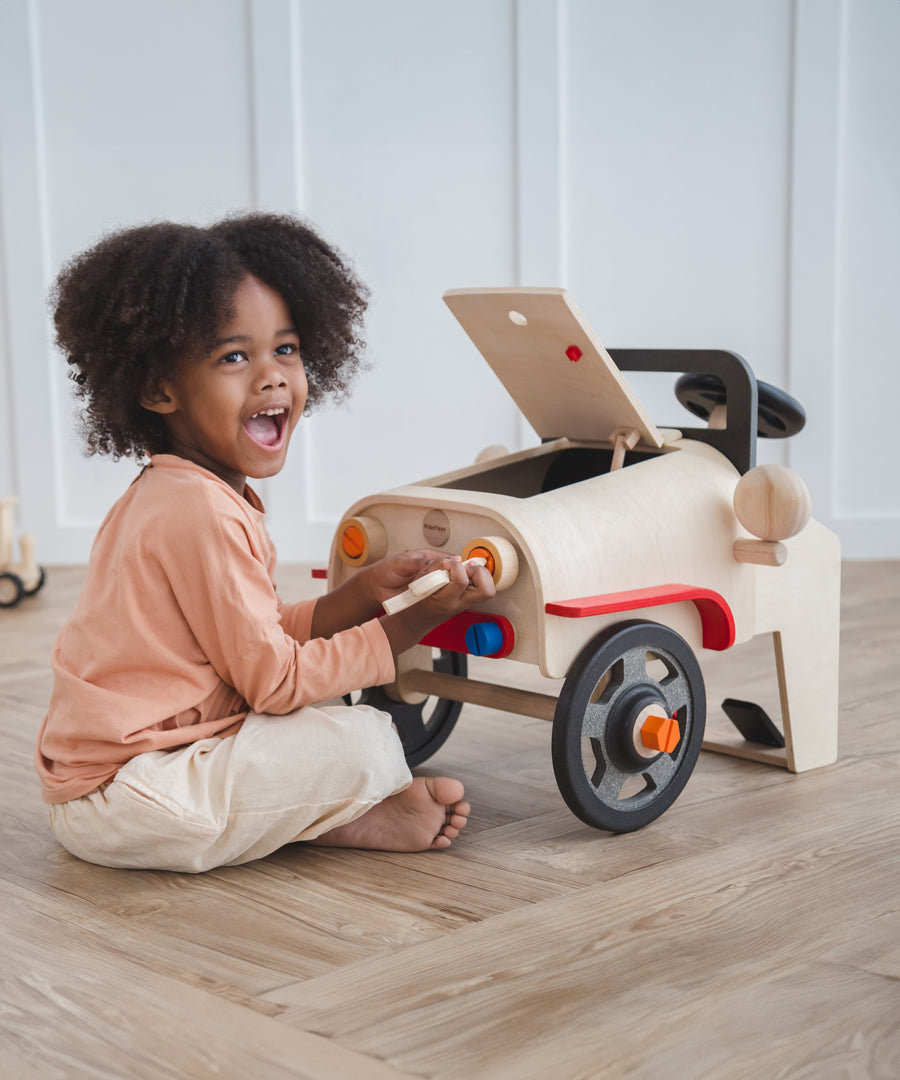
<point x="597" y="735"/>
<point x="11" y="590"/>
<point x="41" y="580"/>
<point x="424" y="728"/>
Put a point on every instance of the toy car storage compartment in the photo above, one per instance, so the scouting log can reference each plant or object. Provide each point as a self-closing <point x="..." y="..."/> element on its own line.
<point x="556" y="465"/>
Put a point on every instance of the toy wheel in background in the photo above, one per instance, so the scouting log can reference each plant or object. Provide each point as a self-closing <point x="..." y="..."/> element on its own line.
<point x="11" y="590"/>
<point x="423" y="728"/>
<point x="42" y="577"/>
<point x="605" y="774"/>
<point x="778" y="414"/>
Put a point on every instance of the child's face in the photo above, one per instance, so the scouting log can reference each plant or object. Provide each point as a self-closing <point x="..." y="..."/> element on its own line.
<point x="234" y="410"/>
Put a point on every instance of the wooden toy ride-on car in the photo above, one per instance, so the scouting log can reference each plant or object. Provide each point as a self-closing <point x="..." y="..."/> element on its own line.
<point x="17" y="578"/>
<point x="621" y="554"/>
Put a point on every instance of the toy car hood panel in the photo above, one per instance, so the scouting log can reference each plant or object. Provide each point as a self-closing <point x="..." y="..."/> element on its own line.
<point x="546" y="355"/>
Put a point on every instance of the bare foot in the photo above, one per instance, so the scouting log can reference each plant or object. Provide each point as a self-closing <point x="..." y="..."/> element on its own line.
<point x="427" y="815"/>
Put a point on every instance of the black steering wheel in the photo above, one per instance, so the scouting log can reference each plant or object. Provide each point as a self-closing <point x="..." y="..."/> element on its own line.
<point x="778" y="414"/>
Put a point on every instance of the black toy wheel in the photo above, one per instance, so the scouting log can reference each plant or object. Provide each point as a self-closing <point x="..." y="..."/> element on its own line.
<point x="423" y="728"/>
<point x="778" y="414"/>
<point x="607" y="776"/>
<point x="11" y="590"/>
<point x="42" y="577"/>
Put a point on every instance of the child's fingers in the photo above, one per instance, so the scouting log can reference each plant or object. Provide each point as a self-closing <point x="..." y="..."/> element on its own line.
<point x="426" y="555"/>
<point x="423" y="562"/>
<point x="470" y="583"/>
<point x="481" y="581"/>
<point x="459" y="576"/>
<point x="430" y="555"/>
<point x="447" y="583"/>
<point x="397" y="572"/>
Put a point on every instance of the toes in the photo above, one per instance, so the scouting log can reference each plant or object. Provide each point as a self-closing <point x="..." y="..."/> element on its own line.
<point x="445" y="790"/>
<point x="440" y="842"/>
<point x="457" y="821"/>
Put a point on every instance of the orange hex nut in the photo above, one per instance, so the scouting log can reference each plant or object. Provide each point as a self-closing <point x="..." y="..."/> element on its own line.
<point x="660" y="733"/>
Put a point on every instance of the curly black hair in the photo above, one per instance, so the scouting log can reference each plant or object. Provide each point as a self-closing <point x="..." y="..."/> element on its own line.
<point x="129" y="307"/>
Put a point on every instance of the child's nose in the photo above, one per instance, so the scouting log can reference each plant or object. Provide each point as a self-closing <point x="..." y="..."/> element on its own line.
<point x="271" y="377"/>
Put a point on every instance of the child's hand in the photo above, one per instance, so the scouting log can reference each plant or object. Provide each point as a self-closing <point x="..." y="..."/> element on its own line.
<point x="392" y="575"/>
<point x="361" y="596"/>
<point x="468" y="585"/>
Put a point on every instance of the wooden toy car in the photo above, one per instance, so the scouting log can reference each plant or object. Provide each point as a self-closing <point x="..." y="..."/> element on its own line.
<point x="22" y="578"/>
<point x="622" y="554"/>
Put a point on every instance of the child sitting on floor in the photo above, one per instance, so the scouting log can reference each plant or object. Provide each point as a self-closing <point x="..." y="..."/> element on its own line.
<point x="183" y="731"/>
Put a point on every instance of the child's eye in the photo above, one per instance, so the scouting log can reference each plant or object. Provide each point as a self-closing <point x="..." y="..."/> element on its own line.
<point x="232" y="358"/>
<point x="287" y="349"/>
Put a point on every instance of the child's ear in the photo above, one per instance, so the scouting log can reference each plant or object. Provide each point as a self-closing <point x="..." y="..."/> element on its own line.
<point x="159" y="398"/>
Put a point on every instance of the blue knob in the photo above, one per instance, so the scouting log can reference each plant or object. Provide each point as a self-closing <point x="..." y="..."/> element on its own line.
<point x="484" y="638"/>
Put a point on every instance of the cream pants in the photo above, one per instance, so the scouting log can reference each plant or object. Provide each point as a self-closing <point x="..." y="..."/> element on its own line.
<point x="220" y="802"/>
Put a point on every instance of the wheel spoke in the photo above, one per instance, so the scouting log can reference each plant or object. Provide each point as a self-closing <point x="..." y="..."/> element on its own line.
<point x="594" y="723"/>
<point x="611" y="783"/>
<point x="661" y="771"/>
<point x="410" y="725"/>
<point x="634" y="662"/>
<point x="445" y="662"/>
<point x="594" y="761"/>
<point x="677" y="692"/>
<point x="423" y="728"/>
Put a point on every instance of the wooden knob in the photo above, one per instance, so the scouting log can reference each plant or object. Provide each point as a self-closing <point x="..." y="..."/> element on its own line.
<point x="772" y="502"/>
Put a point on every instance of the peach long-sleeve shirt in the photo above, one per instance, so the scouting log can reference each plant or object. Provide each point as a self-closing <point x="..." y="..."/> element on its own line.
<point x="179" y="632"/>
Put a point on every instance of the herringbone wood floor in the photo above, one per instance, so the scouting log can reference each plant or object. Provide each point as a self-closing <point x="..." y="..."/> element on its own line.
<point x="752" y="931"/>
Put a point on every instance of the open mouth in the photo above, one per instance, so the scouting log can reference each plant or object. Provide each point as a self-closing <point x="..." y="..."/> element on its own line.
<point x="266" y="427"/>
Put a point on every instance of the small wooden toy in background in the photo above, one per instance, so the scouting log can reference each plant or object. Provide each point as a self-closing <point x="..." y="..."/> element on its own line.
<point x="22" y="577"/>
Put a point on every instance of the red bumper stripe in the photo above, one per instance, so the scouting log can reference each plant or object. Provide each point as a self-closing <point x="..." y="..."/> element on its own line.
<point x="715" y="614"/>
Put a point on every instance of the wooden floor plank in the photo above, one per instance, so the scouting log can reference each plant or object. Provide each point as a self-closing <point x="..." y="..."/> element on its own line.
<point x="515" y="996"/>
<point x="750" y="931"/>
<point x="79" y="1008"/>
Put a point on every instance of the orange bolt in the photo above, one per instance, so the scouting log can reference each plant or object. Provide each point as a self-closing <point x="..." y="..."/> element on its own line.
<point x="660" y="733"/>
<point x="353" y="542"/>
<point x="483" y="553"/>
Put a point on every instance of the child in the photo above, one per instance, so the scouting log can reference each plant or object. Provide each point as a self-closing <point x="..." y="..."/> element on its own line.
<point x="183" y="731"/>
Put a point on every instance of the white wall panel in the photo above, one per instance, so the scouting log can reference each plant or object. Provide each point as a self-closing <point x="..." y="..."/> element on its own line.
<point x="696" y="172"/>
<point x="845" y="272"/>
<point x="407" y="164"/>
<point x="123" y="113"/>
<point x="147" y="119"/>
<point x="677" y="164"/>
<point x="8" y="478"/>
<point x="867" y="386"/>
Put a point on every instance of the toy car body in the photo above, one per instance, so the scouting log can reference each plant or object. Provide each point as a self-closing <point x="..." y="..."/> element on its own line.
<point x="619" y="560"/>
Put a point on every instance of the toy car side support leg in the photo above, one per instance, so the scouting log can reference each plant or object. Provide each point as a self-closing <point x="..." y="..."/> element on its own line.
<point x="801" y="608"/>
<point x="808" y="685"/>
